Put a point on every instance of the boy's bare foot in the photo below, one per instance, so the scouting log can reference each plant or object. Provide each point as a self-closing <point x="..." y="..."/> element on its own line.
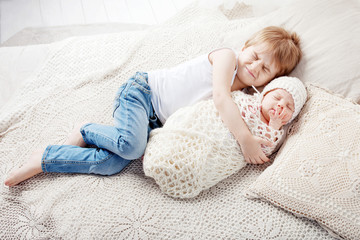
<point x="75" y="138"/>
<point x="26" y="171"/>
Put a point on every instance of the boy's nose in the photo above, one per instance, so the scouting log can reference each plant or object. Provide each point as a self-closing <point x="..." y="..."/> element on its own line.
<point x="256" y="65"/>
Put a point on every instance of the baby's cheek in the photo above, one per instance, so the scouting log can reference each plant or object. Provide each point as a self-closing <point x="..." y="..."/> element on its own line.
<point x="289" y="115"/>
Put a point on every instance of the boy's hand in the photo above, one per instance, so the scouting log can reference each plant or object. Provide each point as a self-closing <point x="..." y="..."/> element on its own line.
<point x="277" y="118"/>
<point x="251" y="149"/>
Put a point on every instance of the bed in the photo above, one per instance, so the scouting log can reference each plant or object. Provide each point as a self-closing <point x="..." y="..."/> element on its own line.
<point x="311" y="190"/>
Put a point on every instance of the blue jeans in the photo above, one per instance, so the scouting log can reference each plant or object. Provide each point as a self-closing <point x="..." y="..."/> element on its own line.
<point x="116" y="146"/>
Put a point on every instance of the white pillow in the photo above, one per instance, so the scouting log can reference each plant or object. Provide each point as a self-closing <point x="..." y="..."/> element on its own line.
<point x="316" y="173"/>
<point x="329" y="32"/>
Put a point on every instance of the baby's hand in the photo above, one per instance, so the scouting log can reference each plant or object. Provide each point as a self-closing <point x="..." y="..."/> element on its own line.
<point x="277" y="118"/>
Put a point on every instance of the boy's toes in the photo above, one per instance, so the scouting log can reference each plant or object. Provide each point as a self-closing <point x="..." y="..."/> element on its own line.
<point x="10" y="180"/>
<point x="28" y="170"/>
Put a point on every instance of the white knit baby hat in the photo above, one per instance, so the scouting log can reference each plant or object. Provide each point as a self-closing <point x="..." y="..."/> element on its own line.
<point x="293" y="86"/>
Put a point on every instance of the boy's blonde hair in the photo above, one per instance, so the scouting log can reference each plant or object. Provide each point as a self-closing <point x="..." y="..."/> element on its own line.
<point x="284" y="45"/>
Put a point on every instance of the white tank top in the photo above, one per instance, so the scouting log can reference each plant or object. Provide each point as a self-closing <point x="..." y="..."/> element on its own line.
<point x="181" y="86"/>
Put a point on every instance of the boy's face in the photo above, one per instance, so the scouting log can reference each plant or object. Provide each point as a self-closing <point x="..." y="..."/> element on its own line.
<point x="256" y="66"/>
<point x="280" y="100"/>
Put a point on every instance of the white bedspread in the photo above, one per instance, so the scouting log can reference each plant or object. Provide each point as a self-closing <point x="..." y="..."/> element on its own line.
<point x="78" y="82"/>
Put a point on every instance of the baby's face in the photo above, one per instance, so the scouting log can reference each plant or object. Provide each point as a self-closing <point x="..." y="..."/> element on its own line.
<point x="278" y="99"/>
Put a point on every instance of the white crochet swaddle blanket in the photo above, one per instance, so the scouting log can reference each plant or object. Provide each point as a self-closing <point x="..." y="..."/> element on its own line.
<point x="194" y="150"/>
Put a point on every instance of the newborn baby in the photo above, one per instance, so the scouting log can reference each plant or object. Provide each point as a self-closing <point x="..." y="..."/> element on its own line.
<point x="194" y="150"/>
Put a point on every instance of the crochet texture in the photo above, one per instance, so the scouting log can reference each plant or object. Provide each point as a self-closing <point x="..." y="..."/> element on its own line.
<point x="77" y="83"/>
<point x="194" y="150"/>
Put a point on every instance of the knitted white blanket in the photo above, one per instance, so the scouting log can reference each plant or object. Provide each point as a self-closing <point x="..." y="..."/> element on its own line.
<point x="194" y="150"/>
<point x="78" y="82"/>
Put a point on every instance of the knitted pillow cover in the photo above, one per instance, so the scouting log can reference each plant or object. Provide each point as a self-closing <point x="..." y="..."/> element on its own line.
<point x="316" y="173"/>
<point x="194" y="150"/>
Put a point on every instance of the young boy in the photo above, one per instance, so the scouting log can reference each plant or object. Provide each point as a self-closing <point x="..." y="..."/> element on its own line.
<point x="145" y="101"/>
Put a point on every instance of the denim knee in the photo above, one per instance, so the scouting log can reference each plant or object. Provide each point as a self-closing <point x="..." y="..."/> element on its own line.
<point x="110" y="165"/>
<point x="131" y="149"/>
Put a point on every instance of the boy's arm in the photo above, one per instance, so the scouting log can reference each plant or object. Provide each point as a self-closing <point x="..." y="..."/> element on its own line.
<point x="224" y="62"/>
